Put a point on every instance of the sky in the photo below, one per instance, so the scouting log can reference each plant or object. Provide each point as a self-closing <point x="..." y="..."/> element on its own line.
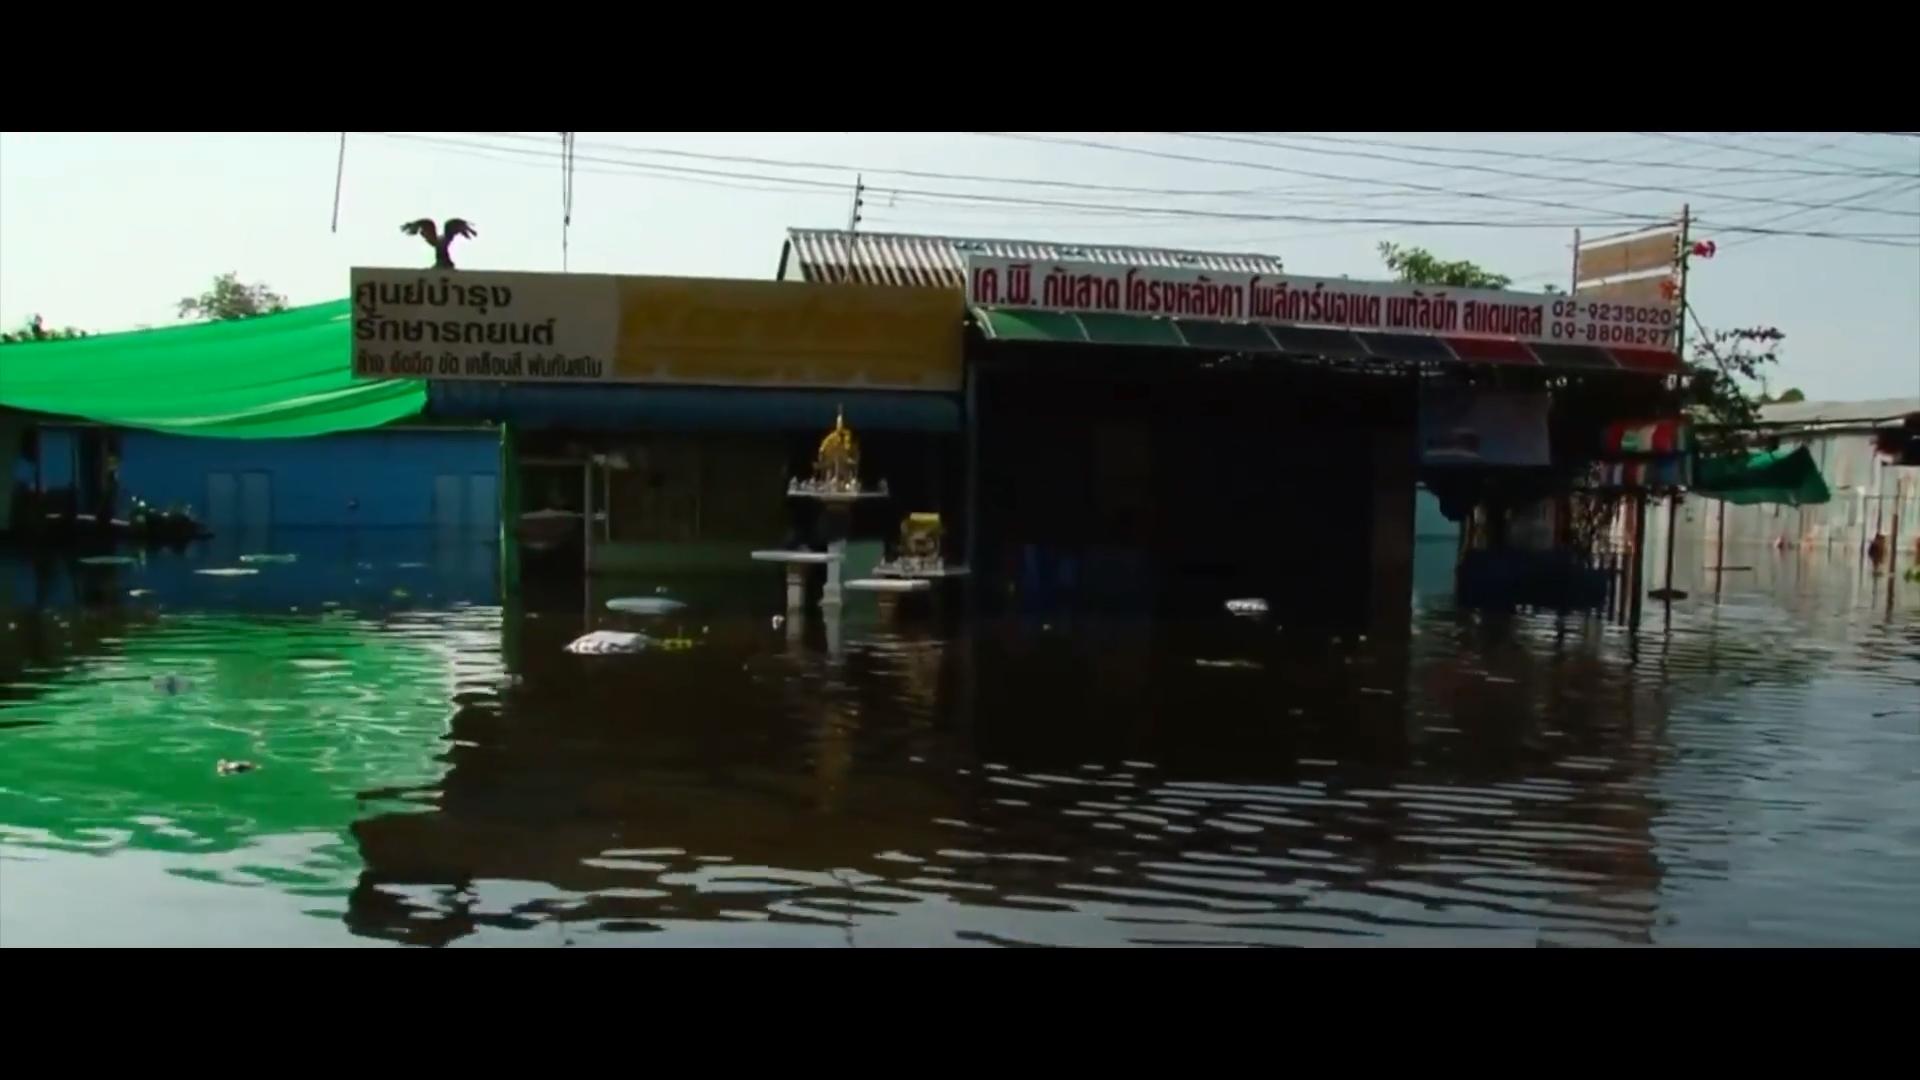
<point x="108" y="231"/>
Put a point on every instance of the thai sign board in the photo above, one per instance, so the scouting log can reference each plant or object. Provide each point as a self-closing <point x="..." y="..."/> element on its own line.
<point x="588" y="328"/>
<point x="1633" y="271"/>
<point x="1329" y="303"/>
<point x="1614" y="258"/>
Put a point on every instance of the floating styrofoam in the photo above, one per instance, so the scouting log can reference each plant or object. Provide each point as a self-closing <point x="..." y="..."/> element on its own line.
<point x="607" y="643"/>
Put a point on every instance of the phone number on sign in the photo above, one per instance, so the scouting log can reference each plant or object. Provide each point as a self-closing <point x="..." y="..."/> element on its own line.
<point x="1602" y="334"/>
<point x="1627" y="314"/>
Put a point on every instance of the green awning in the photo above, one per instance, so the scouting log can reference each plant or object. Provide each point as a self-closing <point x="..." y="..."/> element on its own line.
<point x="1030" y="325"/>
<point x="1103" y="329"/>
<point x="273" y="376"/>
<point x="1783" y="477"/>
<point x="1112" y="328"/>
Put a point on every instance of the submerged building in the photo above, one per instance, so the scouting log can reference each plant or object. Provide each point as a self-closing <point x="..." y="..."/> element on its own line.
<point x="1095" y="426"/>
<point x="1871" y="493"/>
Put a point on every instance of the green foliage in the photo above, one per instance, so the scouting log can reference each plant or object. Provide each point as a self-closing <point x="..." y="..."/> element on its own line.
<point x="1789" y="396"/>
<point x="1418" y="266"/>
<point x="231" y="298"/>
<point x="1725" y="363"/>
<point x="35" y="330"/>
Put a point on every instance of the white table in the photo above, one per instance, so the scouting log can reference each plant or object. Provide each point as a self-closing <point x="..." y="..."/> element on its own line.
<point x="796" y="563"/>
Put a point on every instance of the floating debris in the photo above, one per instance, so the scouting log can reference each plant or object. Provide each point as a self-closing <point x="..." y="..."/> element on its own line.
<point x="608" y="643"/>
<point x="1247" y="605"/>
<point x="400" y="594"/>
<point x="644" y="605"/>
<point x="1238" y="665"/>
<point x="228" y="571"/>
<point x="137" y="593"/>
<point x="1380" y="690"/>
<point x="264" y="558"/>
<point x="106" y="560"/>
<point x="171" y="684"/>
<point x="779" y="621"/>
<point x="411" y="565"/>
<point x="229" y="768"/>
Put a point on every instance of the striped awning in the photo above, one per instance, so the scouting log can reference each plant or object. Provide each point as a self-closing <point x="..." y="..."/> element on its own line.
<point x="1025" y="324"/>
<point x="835" y="256"/>
<point x="1669" y="435"/>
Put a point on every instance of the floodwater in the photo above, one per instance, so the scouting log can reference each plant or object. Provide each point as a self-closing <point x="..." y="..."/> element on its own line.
<point x="434" y="769"/>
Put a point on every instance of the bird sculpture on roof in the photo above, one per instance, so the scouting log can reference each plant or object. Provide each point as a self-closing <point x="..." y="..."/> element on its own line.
<point x="440" y="238"/>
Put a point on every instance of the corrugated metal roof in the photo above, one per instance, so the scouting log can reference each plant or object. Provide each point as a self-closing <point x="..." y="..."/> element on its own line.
<point x="832" y="255"/>
<point x="1839" y="412"/>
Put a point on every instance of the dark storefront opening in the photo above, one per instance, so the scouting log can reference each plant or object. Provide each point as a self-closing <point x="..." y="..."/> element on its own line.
<point x="1171" y="481"/>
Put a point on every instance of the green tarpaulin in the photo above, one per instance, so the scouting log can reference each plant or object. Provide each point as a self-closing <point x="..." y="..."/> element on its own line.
<point x="273" y="376"/>
<point x="1783" y="477"/>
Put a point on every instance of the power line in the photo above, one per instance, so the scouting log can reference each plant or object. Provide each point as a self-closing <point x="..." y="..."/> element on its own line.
<point x="1011" y="200"/>
<point x="1338" y="177"/>
<point x="1889" y="239"/>
<point x="1481" y="151"/>
<point x="1904" y="184"/>
<point x="1293" y="194"/>
<point x="1149" y="211"/>
<point x="787" y="163"/>
<point x="1805" y="154"/>
<point x="1493" y="171"/>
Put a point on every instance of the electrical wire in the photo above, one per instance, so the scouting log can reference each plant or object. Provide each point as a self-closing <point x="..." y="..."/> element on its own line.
<point x="1480" y="151"/>
<point x="1336" y="177"/>
<point x="566" y="194"/>
<point x="1494" y="171"/>
<point x="1025" y="201"/>
<point x="921" y="174"/>
<point x="1612" y="219"/>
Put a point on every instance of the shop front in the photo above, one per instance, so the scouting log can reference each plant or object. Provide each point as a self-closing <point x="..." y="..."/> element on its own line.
<point x="656" y="423"/>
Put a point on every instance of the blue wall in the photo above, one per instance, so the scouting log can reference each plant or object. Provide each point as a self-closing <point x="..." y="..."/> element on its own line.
<point x="370" y="479"/>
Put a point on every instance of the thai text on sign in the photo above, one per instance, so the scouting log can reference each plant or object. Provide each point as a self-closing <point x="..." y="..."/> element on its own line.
<point x="482" y="325"/>
<point x="1332" y="303"/>
<point x="527" y="327"/>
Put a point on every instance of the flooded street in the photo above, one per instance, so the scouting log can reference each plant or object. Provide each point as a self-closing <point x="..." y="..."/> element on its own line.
<point x="434" y="769"/>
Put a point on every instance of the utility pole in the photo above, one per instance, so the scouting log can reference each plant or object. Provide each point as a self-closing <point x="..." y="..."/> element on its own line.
<point x="853" y="218"/>
<point x="1680" y="347"/>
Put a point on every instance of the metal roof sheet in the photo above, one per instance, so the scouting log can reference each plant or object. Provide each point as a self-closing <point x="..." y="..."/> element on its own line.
<point x="1839" y="412"/>
<point x="833" y="255"/>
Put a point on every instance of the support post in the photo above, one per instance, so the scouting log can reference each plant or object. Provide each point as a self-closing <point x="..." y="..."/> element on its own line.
<point x="971" y="552"/>
<point x="796" y="588"/>
<point x="586" y="518"/>
<point x="1720" y="551"/>
<point x="1639" y="557"/>
<point x="1893" y="541"/>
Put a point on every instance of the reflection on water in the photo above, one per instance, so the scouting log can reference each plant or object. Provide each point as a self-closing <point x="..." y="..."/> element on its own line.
<point x="434" y="773"/>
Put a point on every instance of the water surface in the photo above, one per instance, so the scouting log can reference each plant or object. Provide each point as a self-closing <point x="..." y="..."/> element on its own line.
<point x="433" y="769"/>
